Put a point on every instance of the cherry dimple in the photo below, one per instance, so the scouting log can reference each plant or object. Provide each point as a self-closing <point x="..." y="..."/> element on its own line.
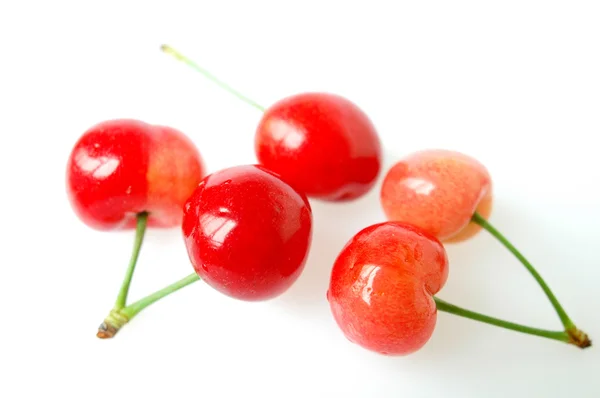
<point x="377" y="291"/>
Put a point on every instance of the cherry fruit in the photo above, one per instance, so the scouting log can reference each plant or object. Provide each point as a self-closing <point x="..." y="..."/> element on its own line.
<point x="382" y="286"/>
<point x="322" y="144"/>
<point x="121" y="168"/>
<point x="438" y="191"/>
<point x="247" y="232"/>
<point x="124" y="174"/>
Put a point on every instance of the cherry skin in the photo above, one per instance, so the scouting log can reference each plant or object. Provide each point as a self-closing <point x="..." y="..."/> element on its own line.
<point x="247" y="232"/>
<point x="321" y="144"/>
<point x="438" y="191"/>
<point x="382" y="286"/>
<point x="120" y="168"/>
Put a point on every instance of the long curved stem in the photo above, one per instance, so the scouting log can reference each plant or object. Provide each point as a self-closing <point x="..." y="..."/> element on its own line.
<point x="562" y="314"/>
<point x="142" y="219"/>
<point x="550" y="334"/>
<point x="170" y="50"/>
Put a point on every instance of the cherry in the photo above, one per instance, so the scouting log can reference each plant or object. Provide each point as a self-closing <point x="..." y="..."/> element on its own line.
<point x="124" y="174"/>
<point x="320" y="143"/>
<point x="121" y="168"/>
<point x="247" y="232"/>
<point x="449" y="195"/>
<point x="439" y="191"/>
<point x="382" y="285"/>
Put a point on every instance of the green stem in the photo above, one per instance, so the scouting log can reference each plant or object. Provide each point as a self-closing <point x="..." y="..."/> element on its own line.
<point x="119" y="317"/>
<point x="554" y="335"/>
<point x="169" y="50"/>
<point x="133" y="309"/>
<point x="562" y="314"/>
<point x="142" y="220"/>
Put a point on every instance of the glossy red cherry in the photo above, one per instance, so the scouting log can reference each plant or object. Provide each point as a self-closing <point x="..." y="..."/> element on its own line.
<point x="247" y="232"/>
<point x="120" y="168"/>
<point x="382" y="286"/>
<point x="321" y="144"/>
<point x="438" y="191"/>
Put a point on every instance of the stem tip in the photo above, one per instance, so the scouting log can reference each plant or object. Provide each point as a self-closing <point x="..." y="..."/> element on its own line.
<point x="112" y="324"/>
<point x="106" y="331"/>
<point x="170" y="50"/>
<point x="579" y="338"/>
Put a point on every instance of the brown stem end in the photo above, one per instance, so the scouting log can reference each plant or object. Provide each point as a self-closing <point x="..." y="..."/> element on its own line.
<point x="111" y="325"/>
<point x="579" y="338"/>
<point x="106" y="331"/>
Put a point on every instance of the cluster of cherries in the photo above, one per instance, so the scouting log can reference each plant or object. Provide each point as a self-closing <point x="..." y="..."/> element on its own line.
<point x="248" y="228"/>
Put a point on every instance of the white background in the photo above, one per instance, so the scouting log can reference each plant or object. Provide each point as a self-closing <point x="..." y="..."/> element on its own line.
<point x="514" y="83"/>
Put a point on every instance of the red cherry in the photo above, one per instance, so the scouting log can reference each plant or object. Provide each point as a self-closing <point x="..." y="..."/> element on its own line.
<point x="120" y="168"/>
<point x="247" y="232"/>
<point x="382" y="286"/>
<point x="322" y="144"/>
<point x="438" y="191"/>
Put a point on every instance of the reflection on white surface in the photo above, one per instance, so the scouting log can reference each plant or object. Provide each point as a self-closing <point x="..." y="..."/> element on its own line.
<point x="419" y="185"/>
<point x="100" y="167"/>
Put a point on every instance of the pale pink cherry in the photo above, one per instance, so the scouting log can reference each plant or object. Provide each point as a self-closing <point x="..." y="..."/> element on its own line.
<point x="439" y="191"/>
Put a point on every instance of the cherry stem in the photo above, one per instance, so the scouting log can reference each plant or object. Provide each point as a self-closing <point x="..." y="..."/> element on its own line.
<point x="171" y="51"/>
<point x="140" y="230"/>
<point x="579" y="340"/>
<point x="562" y="314"/>
<point x="119" y="317"/>
<point x="133" y="309"/>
